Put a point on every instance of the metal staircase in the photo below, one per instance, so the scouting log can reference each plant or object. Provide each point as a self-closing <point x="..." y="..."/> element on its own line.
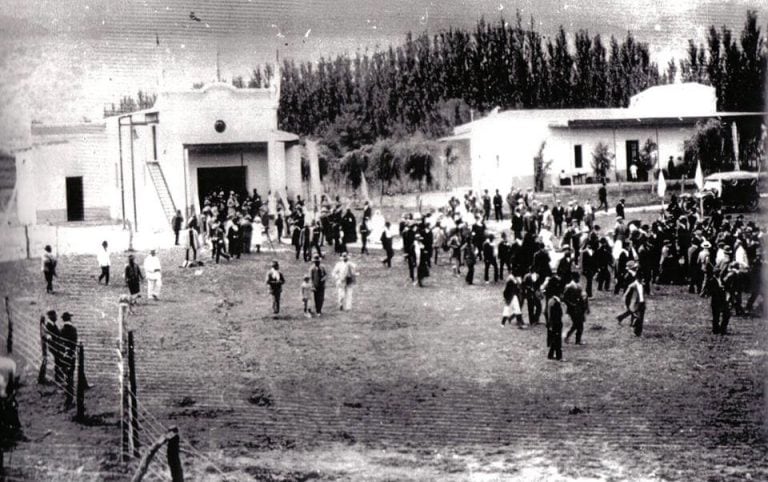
<point x="161" y="187"/>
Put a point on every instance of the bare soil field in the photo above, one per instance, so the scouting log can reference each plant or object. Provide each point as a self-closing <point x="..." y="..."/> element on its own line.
<point x="412" y="384"/>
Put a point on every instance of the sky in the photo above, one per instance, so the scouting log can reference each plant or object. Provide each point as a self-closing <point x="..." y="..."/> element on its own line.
<point x="63" y="60"/>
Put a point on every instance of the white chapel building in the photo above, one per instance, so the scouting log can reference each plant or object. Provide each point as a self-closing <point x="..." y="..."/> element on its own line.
<point x="141" y="167"/>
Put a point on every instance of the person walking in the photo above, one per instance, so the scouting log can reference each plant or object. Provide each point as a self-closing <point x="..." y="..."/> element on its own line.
<point x="133" y="279"/>
<point x="634" y="300"/>
<point x="275" y="281"/>
<point x="470" y="258"/>
<point x="512" y="309"/>
<point x="48" y="263"/>
<point x="68" y="341"/>
<point x="576" y="306"/>
<point x="386" y="243"/>
<point x="489" y="259"/>
<point x="176" y="222"/>
<point x="554" y="321"/>
<point x="318" y="277"/>
<point x="306" y="292"/>
<point x="602" y="197"/>
<point x="346" y="278"/>
<point x="498" y="203"/>
<point x="103" y="258"/>
<point x="154" y="275"/>
<point x="719" y="303"/>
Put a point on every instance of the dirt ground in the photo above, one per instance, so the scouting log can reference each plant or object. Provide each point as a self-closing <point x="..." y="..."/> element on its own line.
<point x="412" y="384"/>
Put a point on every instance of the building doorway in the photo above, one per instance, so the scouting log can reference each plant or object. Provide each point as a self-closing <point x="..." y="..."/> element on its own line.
<point x="633" y="158"/>
<point x="216" y="179"/>
<point x="75" y="209"/>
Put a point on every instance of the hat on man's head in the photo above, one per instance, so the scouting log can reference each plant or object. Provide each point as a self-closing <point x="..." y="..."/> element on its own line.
<point x="50" y="313"/>
<point x="706" y="244"/>
<point x="275" y="264"/>
<point x="727" y="250"/>
<point x="66" y="316"/>
<point x="316" y="257"/>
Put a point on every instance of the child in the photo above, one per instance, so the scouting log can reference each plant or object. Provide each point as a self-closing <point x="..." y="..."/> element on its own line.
<point x="306" y="293"/>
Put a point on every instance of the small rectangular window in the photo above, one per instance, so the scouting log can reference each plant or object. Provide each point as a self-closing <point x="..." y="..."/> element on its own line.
<point x="577" y="160"/>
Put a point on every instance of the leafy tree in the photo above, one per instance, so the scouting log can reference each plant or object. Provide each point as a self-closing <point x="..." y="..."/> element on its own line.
<point x="708" y="144"/>
<point x="540" y="168"/>
<point x="385" y="164"/>
<point x="602" y="159"/>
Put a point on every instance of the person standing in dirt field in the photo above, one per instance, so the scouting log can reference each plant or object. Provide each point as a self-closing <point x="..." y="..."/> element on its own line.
<point x="103" y="259"/>
<point x="602" y="197"/>
<point x="176" y="222"/>
<point x="498" y="204"/>
<point x="68" y="347"/>
<point x="576" y="306"/>
<point x="634" y="300"/>
<point x="133" y="278"/>
<point x="48" y="263"/>
<point x="275" y="281"/>
<point x="346" y="278"/>
<point x="318" y="277"/>
<point x="554" y="321"/>
<point x="154" y="275"/>
<point x="620" y="209"/>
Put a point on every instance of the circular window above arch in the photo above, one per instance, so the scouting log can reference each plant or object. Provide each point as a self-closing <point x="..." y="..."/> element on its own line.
<point x="220" y="126"/>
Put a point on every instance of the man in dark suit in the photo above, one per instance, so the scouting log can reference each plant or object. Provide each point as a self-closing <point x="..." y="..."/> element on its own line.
<point x="305" y="239"/>
<point x="620" y="209"/>
<point x="386" y="244"/>
<point x="489" y="258"/>
<point x="498" y="203"/>
<point x="577" y="307"/>
<point x="318" y="277"/>
<point x="504" y="251"/>
<point x="554" y="321"/>
<point x="68" y="347"/>
<point x="558" y="214"/>
<point x="517" y="223"/>
<point x="486" y="205"/>
<point x="602" y="196"/>
<point x="469" y="259"/>
<point x="721" y="311"/>
<point x="531" y="296"/>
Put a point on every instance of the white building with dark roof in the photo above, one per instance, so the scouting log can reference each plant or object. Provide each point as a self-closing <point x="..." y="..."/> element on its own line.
<point x="501" y="146"/>
<point x="141" y="167"/>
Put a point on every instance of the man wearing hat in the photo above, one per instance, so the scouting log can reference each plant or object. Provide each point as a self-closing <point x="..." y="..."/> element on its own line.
<point x="716" y="290"/>
<point x="576" y="306"/>
<point x="346" y="277"/>
<point x="558" y="213"/>
<point x="634" y="300"/>
<point x="318" y="276"/>
<point x="50" y="345"/>
<point x="554" y="319"/>
<point x="620" y="208"/>
<point x="68" y="346"/>
<point x="275" y="281"/>
<point x="154" y="275"/>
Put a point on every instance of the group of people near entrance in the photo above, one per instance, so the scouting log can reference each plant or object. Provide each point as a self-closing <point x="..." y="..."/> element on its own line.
<point x="551" y="260"/>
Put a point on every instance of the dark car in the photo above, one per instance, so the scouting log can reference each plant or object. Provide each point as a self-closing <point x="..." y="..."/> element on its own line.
<point x="735" y="190"/>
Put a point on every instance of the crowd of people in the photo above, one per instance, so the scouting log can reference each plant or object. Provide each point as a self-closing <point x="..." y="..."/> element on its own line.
<point x="551" y="259"/>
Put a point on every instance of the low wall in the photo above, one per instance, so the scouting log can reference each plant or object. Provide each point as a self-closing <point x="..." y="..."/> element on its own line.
<point x="19" y="242"/>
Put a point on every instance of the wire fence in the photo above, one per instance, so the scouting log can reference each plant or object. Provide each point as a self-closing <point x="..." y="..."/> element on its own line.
<point x="42" y="352"/>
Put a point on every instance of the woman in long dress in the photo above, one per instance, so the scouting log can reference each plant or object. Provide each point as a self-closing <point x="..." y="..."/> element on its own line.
<point x="512" y="309"/>
<point x="376" y="225"/>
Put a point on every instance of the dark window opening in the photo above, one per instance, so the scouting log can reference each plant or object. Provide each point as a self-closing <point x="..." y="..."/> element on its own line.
<point x="75" y="208"/>
<point x="154" y="142"/>
<point x="578" y="162"/>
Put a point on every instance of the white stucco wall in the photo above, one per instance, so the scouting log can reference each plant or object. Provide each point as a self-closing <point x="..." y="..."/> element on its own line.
<point x="42" y="170"/>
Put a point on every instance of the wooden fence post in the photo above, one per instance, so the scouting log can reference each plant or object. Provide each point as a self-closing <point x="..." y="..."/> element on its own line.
<point x="41" y="376"/>
<point x="9" y="340"/>
<point x="134" y="415"/>
<point x="81" y="384"/>
<point x="121" y="311"/>
<point x="174" y="460"/>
